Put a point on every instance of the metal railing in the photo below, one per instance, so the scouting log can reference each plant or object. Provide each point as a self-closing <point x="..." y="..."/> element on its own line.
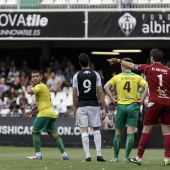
<point x="82" y="4"/>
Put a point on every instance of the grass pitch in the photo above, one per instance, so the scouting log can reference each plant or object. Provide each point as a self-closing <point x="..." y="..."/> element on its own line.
<point x="14" y="158"/>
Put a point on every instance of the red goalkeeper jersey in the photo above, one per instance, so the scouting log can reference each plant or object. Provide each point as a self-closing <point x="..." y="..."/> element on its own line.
<point x="158" y="78"/>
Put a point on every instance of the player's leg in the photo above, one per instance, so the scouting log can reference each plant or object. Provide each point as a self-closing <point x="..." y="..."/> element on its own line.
<point x="85" y="142"/>
<point x="129" y="141"/>
<point x="37" y="144"/>
<point x="132" y="120"/>
<point x="59" y="143"/>
<point x="150" y="120"/>
<point x="38" y="126"/>
<point x="120" y="124"/>
<point x="95" y="122"/>
<point x="52" y="131"/>
<point x="165" y="126"/>
<point x="117" y="141"/>
<point x="83" y="123"/>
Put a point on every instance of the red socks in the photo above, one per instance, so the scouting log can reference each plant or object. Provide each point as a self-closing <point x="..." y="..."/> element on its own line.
<point x="166" y="146"/>
<point x="142" y="144"/>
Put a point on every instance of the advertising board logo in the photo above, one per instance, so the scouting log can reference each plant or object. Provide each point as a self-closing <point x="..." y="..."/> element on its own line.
<point x="127" y="23"/>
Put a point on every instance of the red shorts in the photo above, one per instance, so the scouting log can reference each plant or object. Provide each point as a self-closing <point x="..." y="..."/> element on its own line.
<point x="156" y="112"/>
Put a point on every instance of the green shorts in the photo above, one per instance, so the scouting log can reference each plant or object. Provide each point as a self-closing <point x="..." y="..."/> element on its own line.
<point x="126" y="115"/>
<point x="45" y="124"/>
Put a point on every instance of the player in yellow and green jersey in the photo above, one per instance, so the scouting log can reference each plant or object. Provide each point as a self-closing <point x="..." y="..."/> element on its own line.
<point x="126" y="85"/>
<point x="46" y="118"/>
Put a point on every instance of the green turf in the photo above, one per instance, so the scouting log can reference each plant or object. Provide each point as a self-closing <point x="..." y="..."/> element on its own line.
<point x="14" y="158"/>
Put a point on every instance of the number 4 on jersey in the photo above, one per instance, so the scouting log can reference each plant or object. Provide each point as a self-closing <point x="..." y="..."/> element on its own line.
<point x="127" y="86"/>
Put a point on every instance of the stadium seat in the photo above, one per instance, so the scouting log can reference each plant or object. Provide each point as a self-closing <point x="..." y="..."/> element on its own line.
<point x="142" y="3"/>
<point x="52" y="94"/>
<point x="60" y="96"/>
<point x="29" y="4"/>
<point x="109" y="3"/>
<point x="4" y="112"/>
<point x="72" y="4"/>
<point x="47" y="2"/>
<point x="62" y="108"/>
<point x="154" y="3"/>
<point x="95" y="3"/>
<point x="5" y="99"/>
<point x="65" y="89"/>
<point x="60" y="3"/>
<point x="165" y="4"/>
<point x="69" y="100"/>
<point x="83" y="2"/>
<point x="11" y="2"/>
<point x="29" y="98"/>
<point x="17" y="100"/>
<point x="57" y="113"/>
<point x="2" y="2"/>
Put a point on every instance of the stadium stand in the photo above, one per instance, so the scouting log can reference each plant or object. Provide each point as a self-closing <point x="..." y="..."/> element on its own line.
<point x="80" y="4"/>
<point x="109" y="3"/>
<point x="29" y="4"/>
<point x="60" y="4"/>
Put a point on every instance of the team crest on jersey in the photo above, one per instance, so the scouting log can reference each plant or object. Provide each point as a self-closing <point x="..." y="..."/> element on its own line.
<point x="127" y="23"/>
<point x="86" y="72"/>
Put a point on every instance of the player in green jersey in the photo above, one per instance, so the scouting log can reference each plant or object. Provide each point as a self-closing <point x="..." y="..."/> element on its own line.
<point x="46" y="118"/>
<point x="126" y="85"/>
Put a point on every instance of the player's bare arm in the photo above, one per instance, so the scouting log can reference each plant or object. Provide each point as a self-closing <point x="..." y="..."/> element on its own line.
<point x="108" y="92"/>
<point x="74" y="100"/>
<point x="123" y="63"/>
<point x="102" y="100"/>
<point x="145" y="93"/>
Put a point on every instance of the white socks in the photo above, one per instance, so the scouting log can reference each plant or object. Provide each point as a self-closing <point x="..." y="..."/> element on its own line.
<point x="97" y="141"/>
<point x="38" y="153"/>
<point x="64" y="154"/>
<point x="85" y="142"/>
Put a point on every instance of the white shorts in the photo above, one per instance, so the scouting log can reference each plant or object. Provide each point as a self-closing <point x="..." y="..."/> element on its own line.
<point x="89" y="116"/>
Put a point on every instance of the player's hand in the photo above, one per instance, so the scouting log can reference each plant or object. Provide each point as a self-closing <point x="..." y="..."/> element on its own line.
<point x="140" y="102"/>
<point x="114" y="102"/>
<point x="112" y="61"/>
<point x="28" y="113"/>
<point x="103" y="114"/>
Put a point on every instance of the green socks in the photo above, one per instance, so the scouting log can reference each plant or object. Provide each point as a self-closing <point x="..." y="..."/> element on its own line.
<point x="36" y="141"/>
<point x="116" y="145"/>
<point x="129" y="144"/>
<point x="59" y="143"/>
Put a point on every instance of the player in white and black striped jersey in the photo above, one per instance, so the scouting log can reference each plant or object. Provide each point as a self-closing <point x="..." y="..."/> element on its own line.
<point x="87" y="92"/>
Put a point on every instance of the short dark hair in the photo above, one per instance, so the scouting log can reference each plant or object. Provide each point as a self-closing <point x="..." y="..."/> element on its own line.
<point x="84" y="60"/>
<point x="35" y="71"/>
<point x="157" y="54"/>
<point x="127" y="59"/>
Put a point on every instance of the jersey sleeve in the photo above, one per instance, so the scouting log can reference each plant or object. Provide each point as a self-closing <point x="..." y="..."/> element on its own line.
<point x="112" y="81"/>
<point x="142" y="82"/>
<point x="74" y="81"/>
<point x="98" y="80"/>
<point x="141" y="67"/>
<point x="37" y="89"/>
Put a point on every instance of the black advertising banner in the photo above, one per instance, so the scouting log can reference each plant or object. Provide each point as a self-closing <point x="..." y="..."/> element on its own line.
<point x="129" y="24"/>
<point x="17" y="131"/>
<point x="42" y="24"/>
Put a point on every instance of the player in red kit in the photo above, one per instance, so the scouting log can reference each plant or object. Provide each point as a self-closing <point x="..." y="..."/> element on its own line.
<point x="158" y="78"/>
